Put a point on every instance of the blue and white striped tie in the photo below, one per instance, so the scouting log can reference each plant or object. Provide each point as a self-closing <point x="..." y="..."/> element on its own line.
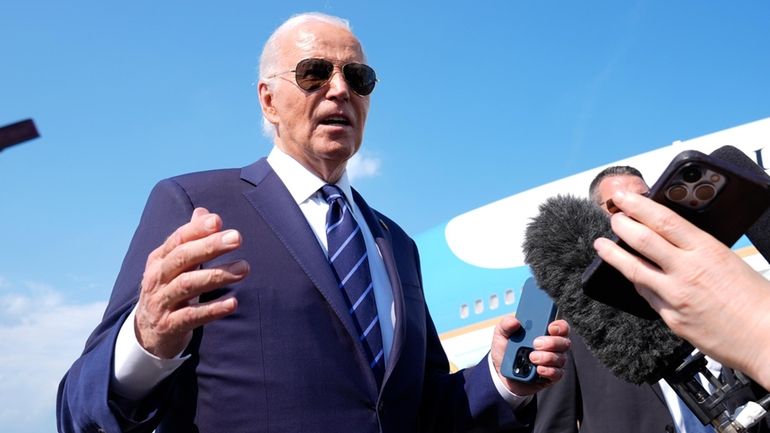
<point x="347" y="254"/>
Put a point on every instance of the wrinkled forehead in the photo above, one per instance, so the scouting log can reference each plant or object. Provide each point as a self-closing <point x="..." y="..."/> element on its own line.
<point x="321" y="40"/>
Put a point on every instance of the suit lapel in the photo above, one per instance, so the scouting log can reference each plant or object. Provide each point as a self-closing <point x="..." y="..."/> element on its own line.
<point x="274" y="204"/>
<point x="382" y="237"/>
<point x="659" y="392"/>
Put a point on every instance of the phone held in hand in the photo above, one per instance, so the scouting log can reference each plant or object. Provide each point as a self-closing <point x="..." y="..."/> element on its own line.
<point x="535" y="312"/>
<point x="717" y="196"/>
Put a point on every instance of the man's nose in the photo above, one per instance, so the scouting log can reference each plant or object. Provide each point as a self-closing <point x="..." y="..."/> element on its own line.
<point x="337" y="85"/>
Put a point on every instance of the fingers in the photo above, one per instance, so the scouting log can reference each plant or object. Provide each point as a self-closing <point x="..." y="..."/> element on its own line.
<point x="634" y="268"/>
<point x="168" y="310"/>
<point x="550" y="374"/>
<point x="548" y="357"/>
<point x="559" y="328"/>
<point x="189" y="246"/>
<point x="548" y="347"/>
<point x="194" y="283"/>
<point x="644" y="240"/>
<point x="550" y="350"/>
<point x="197" y="315"/>
<point x="192" y="253"/>
<point x="660" y="219"/>
<point x="202" y="223"/>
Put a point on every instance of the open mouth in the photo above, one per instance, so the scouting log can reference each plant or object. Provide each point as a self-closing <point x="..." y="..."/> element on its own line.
<point x="336" y="120"/>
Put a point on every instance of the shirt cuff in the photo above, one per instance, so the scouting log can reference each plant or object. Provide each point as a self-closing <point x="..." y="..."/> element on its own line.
<point x="514" y="400"/>
<point x="138" y="371"/>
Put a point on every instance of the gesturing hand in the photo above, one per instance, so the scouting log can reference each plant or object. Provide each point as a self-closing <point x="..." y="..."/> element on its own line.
<point x="168" y="308"/>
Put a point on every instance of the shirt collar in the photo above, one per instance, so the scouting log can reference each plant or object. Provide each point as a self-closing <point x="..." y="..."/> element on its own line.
<point x="301" y="182"/>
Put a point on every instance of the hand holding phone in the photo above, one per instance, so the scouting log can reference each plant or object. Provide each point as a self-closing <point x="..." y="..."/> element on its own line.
<point x="535" y="312"/>
<point x="716" y="196"/>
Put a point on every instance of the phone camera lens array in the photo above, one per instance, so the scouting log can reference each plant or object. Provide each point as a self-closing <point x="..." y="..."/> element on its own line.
<point x="696" y="187"/>
<point x="705" y="191"/>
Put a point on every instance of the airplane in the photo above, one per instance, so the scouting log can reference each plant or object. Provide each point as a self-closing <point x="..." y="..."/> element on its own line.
<point x="473" y="266"/>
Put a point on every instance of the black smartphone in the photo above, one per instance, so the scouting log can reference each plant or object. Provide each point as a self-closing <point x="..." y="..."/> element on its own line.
<point x="535" y="312"/>
<point x="717" y="196"/>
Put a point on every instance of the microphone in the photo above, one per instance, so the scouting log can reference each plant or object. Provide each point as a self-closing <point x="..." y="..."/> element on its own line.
<point x="759" y="232"/>
<point x="558" y="246"/>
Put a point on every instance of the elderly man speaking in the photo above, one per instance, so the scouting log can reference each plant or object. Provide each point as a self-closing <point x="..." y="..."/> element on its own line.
<point x="272" y="298"/>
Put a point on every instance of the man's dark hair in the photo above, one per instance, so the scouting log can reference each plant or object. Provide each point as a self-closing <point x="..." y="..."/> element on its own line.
<point x="615" y="170"/>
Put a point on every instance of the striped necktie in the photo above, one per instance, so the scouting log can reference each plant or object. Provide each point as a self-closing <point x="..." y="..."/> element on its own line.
<point x="347" y="254"/>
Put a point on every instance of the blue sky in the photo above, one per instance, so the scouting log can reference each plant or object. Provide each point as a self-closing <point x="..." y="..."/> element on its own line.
<point x="476" y="101"/>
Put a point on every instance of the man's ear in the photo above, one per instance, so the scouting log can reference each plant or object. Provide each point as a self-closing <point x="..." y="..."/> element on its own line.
<point x="266" y="102"/>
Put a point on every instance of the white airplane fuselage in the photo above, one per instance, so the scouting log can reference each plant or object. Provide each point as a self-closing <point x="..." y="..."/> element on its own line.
<point x="473" y="266"/>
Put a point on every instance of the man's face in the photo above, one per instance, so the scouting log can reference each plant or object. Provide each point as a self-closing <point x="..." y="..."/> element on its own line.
<point x="622" y="182"/>
<point x="324" y="128"/>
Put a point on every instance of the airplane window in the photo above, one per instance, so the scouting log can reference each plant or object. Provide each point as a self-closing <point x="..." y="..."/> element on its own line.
<point x="464" y="311"/>
<point x="509" y="297"/>
<point x="494" y="302"/>
<point x="478" y="306"/>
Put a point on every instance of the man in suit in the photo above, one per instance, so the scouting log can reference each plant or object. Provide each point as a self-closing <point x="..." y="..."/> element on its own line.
<point x="236" y="307"/>
<point x="590" y="398"/>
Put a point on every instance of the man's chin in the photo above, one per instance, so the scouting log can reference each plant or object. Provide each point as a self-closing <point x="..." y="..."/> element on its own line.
<point x="339" y="149"/>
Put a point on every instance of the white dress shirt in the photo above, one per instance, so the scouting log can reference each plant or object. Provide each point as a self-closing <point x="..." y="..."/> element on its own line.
<point x="680" y="413"/>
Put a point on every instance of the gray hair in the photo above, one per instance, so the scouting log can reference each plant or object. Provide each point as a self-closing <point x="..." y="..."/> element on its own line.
<point x="270" y="52"/>
<point x="615" y="170"/>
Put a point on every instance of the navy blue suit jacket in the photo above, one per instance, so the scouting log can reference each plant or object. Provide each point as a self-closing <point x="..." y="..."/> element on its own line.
<point x="287" y="359"/>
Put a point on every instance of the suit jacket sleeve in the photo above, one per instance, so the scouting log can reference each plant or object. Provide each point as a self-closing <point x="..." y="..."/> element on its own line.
<point x="84" y="401"/>
<point x="466" y="400"/>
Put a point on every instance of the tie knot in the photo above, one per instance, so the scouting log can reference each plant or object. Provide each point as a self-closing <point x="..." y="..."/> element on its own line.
<point x="331" y="193"/>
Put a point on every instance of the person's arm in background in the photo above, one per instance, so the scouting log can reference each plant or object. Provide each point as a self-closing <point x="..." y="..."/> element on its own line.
<point x="702" y="290"/>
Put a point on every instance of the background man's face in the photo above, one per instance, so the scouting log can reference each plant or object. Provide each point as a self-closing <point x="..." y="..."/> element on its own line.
<point x="324" y="128"/>
<point x="623" y="182"/>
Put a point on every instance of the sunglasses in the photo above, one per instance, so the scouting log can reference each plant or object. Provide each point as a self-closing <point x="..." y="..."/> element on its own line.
<point x="312" y="74"/>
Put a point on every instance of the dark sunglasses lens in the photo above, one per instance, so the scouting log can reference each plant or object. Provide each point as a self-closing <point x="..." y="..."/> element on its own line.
<point x="311" y="74"/>
<point x="361" y="78"/>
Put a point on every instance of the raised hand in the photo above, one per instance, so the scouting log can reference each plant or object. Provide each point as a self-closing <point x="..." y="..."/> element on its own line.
<point x="168" y="308"/>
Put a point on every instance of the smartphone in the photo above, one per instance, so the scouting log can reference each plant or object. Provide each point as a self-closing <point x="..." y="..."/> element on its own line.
<point x="717" y="196"/>
<point x="535" y="312"/>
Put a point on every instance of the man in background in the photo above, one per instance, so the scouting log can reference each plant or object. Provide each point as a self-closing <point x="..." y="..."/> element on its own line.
<point x="615" y="178"/>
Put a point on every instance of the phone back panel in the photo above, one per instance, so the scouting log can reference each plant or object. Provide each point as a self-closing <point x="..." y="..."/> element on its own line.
<point x="535" y="311"/>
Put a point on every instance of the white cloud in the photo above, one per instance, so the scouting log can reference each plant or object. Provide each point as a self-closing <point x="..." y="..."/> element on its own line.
<point x="360" y="166"/>
<point x="41" y="336"/>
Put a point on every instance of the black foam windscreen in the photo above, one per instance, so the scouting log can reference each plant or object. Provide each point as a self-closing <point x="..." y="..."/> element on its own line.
<point x="558" y="247"/>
